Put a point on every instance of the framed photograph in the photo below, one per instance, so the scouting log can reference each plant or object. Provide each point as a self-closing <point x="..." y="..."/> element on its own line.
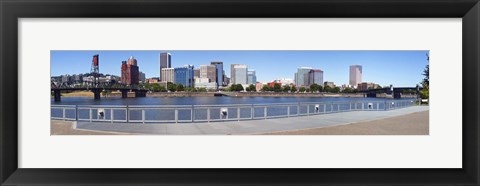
<point x="228" y="92"/>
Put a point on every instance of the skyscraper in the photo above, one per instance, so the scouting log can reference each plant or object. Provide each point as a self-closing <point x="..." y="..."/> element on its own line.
<point x="168" y="75"/>
<point x="251" y="77"/>
<point x="132" y="61"/>
<point x="300" y="77"/>
<point x="184" y="75"/>
<point x="219" y="71"/>
<point x="355" y="75"/>
<point x="239" y="74"/>
<point x="130" y="72"/>
<point x="141" y="77"/>
<point x="208" y="71"/>
<point x="196" y="73"/>
<point x="232" y="73"/>
<point x="315" y="76"/>
<point x="165" y="62"/>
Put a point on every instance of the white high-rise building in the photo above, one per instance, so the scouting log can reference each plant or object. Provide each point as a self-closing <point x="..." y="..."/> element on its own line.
<point x="239" y="74"/>
<point x="301" y="77"/>
<point x="251" y="77"/>
<point x="355" y="75"/>
<point x="168" y="75"/>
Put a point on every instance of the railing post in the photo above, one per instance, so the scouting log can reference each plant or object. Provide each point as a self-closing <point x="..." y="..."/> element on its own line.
<point x="308" y="110"/>
<point x="338" y="107"/>
<point x="176" y="115"/>
<point x="252" y="112"/>
<point x="90" y="115"/>
<point x="378" y="108"/>
<point x="127" y="113"/>
<point x="265" y="112"/>
<point x="111" y="115"/>
<point x="238" y="113"/>
<point x="298" y="109"/>
<point x="143" y="116"/>
<point x="363" y="106"/>
<point x="331" y="107"/>
<point x="324" y="108"/>
<point x="208" y="115"/>
<point x="288" y="111"/>
<point x="350" y="104"/>
<point x="63" y="113"/>
<point x="76" y="112"/>
<point x="193" y="113"/>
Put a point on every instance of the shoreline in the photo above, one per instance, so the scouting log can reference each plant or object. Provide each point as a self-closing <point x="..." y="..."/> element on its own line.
<point x="231" y="94"/>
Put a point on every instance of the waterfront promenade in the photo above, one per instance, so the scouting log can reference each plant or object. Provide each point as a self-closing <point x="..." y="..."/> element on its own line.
<point x="269" y="126"/>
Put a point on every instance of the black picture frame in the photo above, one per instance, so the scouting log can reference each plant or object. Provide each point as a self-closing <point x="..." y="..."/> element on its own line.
<point x="11" y="11"/>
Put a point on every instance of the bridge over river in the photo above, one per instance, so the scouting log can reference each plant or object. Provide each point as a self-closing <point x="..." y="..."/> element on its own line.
<point x="396" y="92"/>
<point x="124" y="89"/>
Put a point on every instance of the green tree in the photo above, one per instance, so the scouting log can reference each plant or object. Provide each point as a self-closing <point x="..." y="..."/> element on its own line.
<point x="146" y="86"/>
<point x="286" y="88"/>
<point x="424" y="93"/>
<point x="347" y="90"/>
<point x="293" y="89"/>
<point x="327" y="89"/>
<point x="236" y="87"/>
<point x="302" y="89"/>
<point x="252" y="88"/>
<point x="426" y="74"/>
<point x="171" y="87"/>
<point x="180" y="87"/>
<point x="277" y="87"/>
<point x="155" y="87"/>
<point x="336" y="90"/>
<point x="265" y="88"/>
<point x="202" y="90"/>
<point x="315" y="87"/>
<point x="162" y="89"/>
<point x="191" y="89"/>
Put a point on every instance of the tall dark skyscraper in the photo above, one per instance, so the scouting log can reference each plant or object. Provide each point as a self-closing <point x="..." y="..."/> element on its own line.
<point x="130" y="72"/>
<point x="165" y="62"/>
<point x="219" y="67"/>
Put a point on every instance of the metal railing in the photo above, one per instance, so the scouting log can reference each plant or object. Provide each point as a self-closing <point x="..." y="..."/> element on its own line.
<point x="213" y="113"/>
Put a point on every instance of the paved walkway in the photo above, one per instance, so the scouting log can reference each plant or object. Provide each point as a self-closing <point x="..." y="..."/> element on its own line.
<point x="250" y="126"/>
<point x="410" y="124"/>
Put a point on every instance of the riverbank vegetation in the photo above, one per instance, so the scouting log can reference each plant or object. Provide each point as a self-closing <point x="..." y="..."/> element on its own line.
<point x="425" y="83"/>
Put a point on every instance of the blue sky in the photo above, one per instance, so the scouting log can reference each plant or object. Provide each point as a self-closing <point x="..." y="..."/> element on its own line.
<point x="400" y="68"/>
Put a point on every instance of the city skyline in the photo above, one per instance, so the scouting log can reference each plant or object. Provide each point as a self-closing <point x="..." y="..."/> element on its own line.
<point x="400" y="68"/>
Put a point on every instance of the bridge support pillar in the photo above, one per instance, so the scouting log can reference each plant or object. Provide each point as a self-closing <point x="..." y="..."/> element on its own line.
<point x="397" y="95"/>
<point x="57" y="95"/>
<point x="124" y="93"/>
<point x="96" y="93"/>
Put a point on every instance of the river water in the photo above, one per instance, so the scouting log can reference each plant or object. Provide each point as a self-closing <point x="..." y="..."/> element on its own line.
<point x="204" y="100"/>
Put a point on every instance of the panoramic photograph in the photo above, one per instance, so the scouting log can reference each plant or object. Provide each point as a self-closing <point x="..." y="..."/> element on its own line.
<point x="239" y="92"/>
